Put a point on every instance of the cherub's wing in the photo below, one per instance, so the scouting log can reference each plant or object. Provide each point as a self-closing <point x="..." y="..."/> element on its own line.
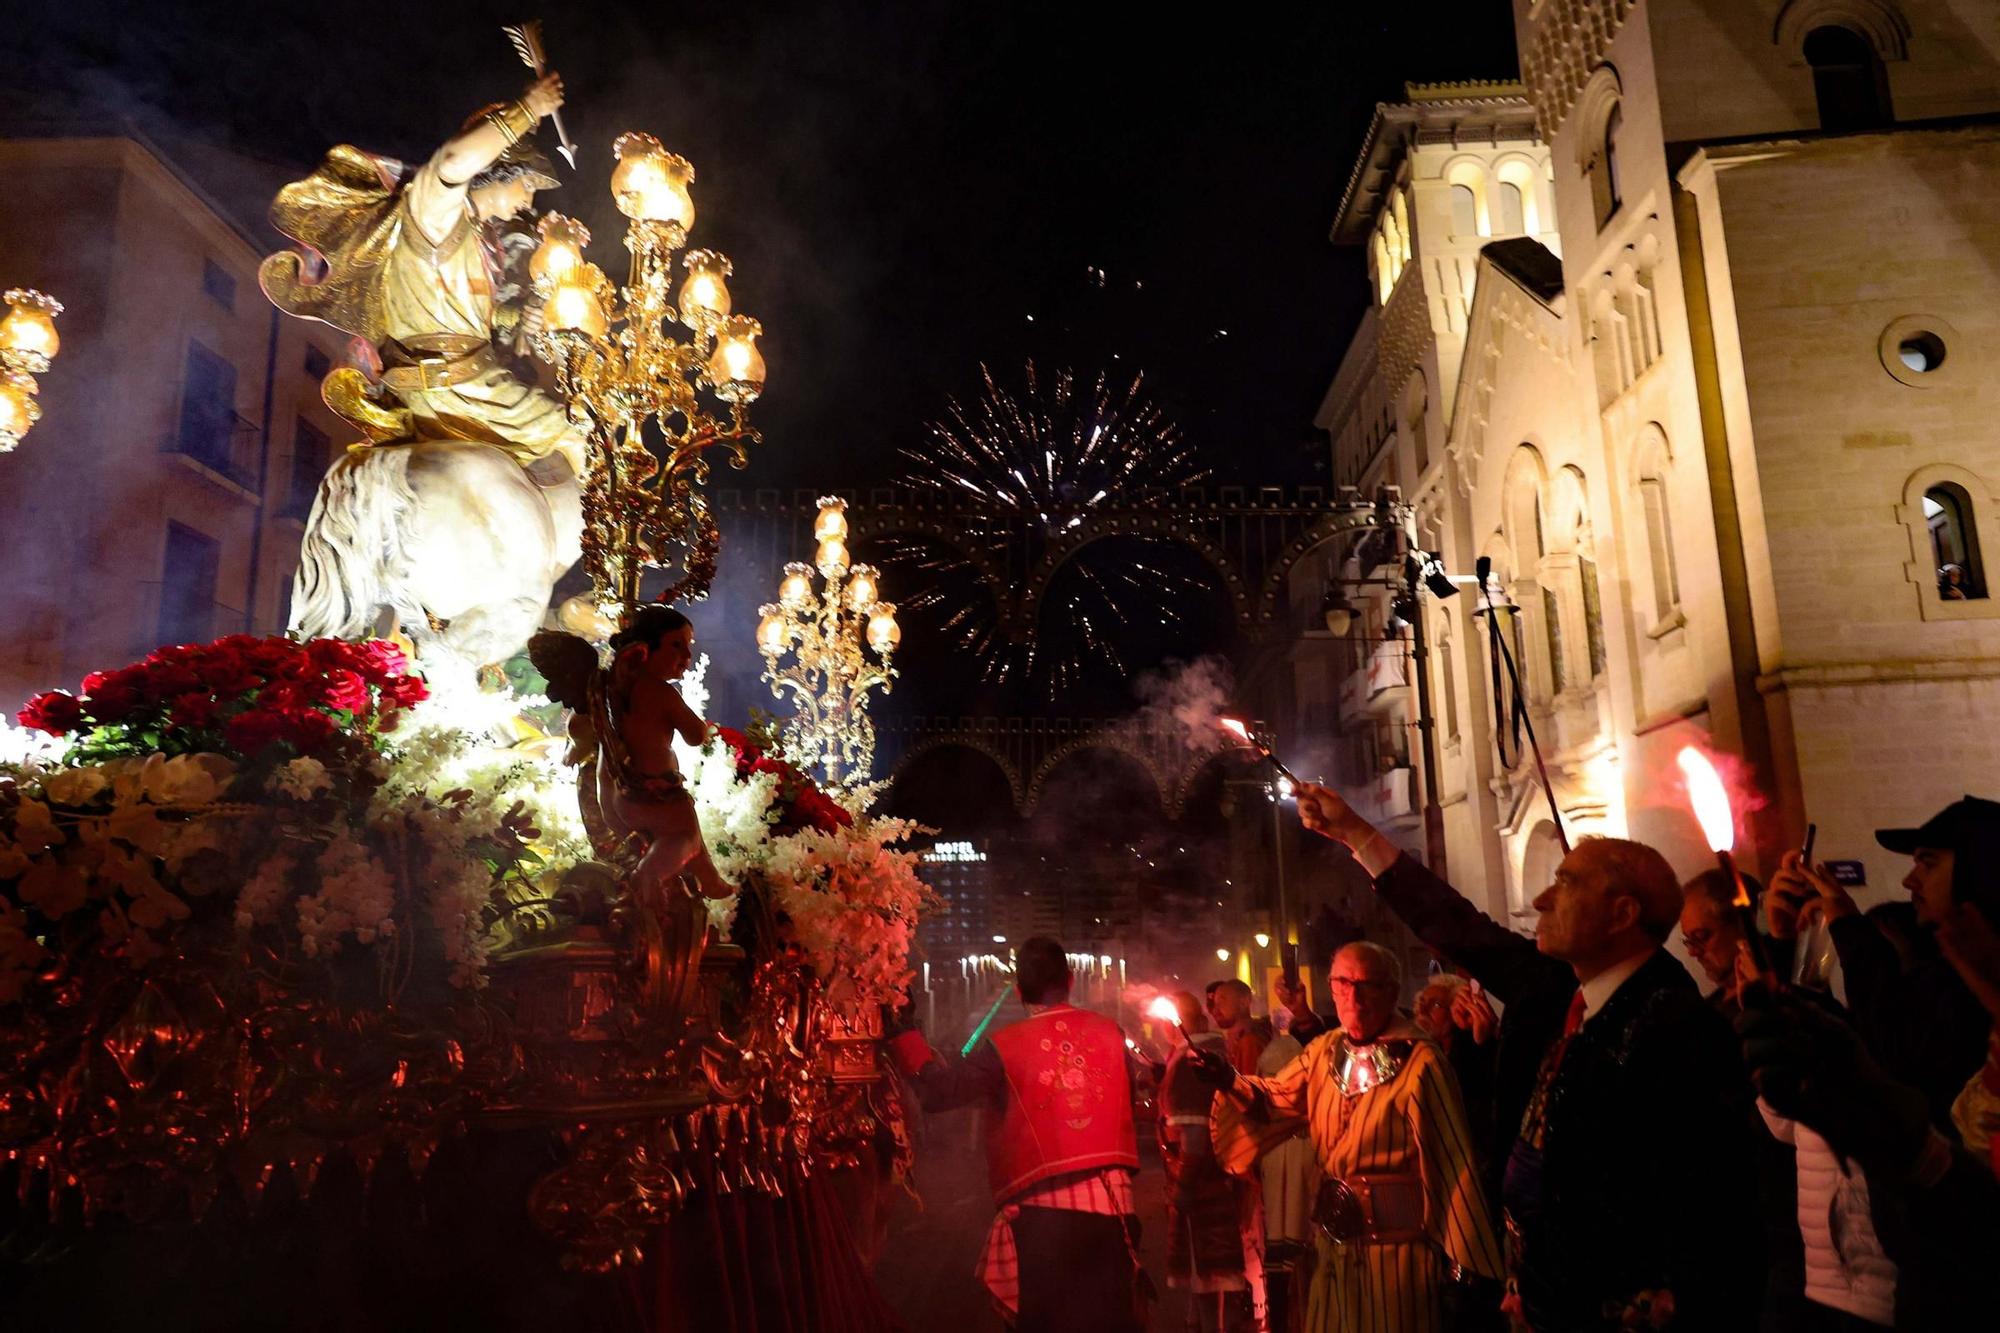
<point x="568" y="662"/>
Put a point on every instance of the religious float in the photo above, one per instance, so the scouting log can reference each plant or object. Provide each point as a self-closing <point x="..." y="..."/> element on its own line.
<point x="330" y="994"/>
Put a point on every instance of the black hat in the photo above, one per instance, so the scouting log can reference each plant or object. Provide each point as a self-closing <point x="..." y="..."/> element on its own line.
<point x="1966" y="822"/>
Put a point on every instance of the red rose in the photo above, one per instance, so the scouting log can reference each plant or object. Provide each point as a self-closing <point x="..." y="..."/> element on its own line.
<point x="404" y="691"/>
<point x="167" y="680"/>
<point x="346" y="691"/>
<point x="250" y="731"/>
<point x="114" y="695"/>
<point x="57" y="712"/>
<point x="382" y="661"/>
<point x="309" y="729"/>
<point x="193" y="711"/>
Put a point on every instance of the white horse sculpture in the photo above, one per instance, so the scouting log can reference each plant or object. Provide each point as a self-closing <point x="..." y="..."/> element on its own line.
<point x="449" y="540"/>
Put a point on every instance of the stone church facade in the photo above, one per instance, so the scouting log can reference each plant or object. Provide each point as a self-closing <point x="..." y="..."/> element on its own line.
<point x="1694" y="332"/>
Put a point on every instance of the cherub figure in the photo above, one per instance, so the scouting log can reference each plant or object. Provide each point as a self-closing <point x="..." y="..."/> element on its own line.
<point x="622" y="729"/>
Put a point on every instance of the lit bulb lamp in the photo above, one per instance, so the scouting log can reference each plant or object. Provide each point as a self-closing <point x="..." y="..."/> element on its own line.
<point x="797" y="588"/>
<point x="883" y="631"/>
<point x="18" y="409"/>
<point x="863" y="586"/>
<point x="561" y="250"/>
<point x="704" y="294"/>
<point x="774" y="632"/>
<point x="576" y="305"/>
<point x="28" y="337"/>
<point x="652" y="185"/>
<point x="831" y="525"/>
<point x="736" y="367"/>
<point x="831" y="559"/>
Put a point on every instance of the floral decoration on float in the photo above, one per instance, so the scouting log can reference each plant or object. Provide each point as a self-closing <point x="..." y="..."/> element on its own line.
<point x="255" y="895"/>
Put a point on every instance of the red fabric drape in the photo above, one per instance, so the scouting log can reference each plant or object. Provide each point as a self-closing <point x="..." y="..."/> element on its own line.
<point x="742" y="1262"/>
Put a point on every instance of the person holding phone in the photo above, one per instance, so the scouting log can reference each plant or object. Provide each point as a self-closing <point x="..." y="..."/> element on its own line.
<point x="1922" y="1021"/>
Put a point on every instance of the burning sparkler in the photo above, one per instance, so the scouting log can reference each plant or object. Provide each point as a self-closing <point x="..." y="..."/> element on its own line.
<point x="1163" y="1009"/>
<point x="1023" y="472"/>
<point x="1710" y="799"/>
<point x="1261" y="743"/>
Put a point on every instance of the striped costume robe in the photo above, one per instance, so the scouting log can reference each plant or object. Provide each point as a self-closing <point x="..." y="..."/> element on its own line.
<point x="1413" y="1124"/>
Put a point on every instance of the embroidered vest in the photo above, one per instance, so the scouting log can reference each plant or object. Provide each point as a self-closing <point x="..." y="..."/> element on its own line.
<point x="1069" y="1101"/>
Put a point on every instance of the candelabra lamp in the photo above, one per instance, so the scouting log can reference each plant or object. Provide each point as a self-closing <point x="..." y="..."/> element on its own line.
<point x="827" y="648"/>
<point x="643" y="394"/>
<point x="28" y="343"/>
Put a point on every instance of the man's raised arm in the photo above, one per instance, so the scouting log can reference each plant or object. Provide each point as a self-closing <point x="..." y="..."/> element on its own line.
<point x="480" y="145"/>
<point x="1503" y="962"/>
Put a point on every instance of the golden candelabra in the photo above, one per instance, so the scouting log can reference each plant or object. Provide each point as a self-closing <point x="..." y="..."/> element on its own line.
<point x="830" y="672"/>
<point x="621" y="372"/>
<point x="28" y="342"/>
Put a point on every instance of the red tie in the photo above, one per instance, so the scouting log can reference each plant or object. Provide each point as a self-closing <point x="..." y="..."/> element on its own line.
<point x="1575" y="1019"/>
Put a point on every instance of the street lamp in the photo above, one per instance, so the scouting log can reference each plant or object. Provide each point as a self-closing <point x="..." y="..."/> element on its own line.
<point x="830" y="674"/>
<point x="1418" y="571"/>
<point x="28" y="343"/>
<point x="1263" y="940"/>
<point x="623" y="376"/>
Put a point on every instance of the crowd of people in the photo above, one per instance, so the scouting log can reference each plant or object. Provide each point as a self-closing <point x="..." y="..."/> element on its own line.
<point x="1562" y="1133"/>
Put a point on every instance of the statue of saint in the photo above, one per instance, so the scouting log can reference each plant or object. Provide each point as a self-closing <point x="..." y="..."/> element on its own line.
<point x="460" y="507"/>
<point x="623" y="724"/>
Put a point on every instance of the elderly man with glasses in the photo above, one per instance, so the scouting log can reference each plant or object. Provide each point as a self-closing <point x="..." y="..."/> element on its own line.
<point x="1401" y="1213"/>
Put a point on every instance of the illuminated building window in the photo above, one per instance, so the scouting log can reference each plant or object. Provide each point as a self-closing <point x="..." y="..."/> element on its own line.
<point x="1464" y="211"/>
<point x="1601" y="169"/>
<point x="1954" y="543"/>
<point x="1850" y="83"/>
<point x="187" y="585"/>
<point x="1508" y="219"/>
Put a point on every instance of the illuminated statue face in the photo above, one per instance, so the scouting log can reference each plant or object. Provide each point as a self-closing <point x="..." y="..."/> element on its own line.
<point x="503" y="201"/>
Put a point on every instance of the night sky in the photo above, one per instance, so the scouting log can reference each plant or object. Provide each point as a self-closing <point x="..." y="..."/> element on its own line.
<point x="900" y="184"/>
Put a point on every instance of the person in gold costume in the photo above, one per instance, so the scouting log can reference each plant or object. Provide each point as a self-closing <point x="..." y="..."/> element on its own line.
<point x="1401" y="1213"/>
<point x="408" y="262"/>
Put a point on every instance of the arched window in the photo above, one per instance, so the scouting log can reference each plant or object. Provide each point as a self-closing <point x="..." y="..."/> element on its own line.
<point x="1954" y="543"/>
<point x="1467" y="178"/>
<point x="1464" y="211"/>
<point x="1607" y="189"/>
<point x="1508" y="218"/>
<point x="1849" y="81"/>
<point x="1402" y="217"/>
<point x="1383" y="278"/>
<point x="1651" y="463"/>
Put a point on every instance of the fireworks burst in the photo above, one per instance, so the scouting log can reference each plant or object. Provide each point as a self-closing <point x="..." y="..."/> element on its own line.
<point x="1020" y="474"/>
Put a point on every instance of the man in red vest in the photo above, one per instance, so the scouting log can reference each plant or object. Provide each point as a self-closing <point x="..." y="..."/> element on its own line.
<point x="1056" y="1090"/>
